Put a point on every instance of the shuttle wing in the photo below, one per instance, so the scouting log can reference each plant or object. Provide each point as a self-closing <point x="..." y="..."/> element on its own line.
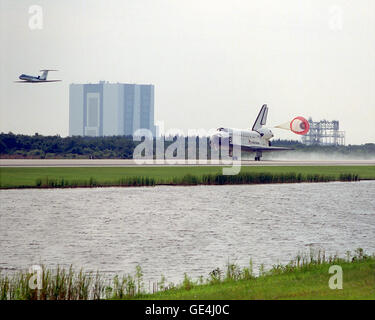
<point x="263" y="148"/>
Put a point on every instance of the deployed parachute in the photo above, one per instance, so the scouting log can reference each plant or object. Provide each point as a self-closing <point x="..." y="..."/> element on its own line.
<point x="298" y="125"/>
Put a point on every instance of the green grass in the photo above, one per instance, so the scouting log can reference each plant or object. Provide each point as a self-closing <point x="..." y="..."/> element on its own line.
<point x="358" y="283"/>
<point x="98" y="176"/>
<point x="305" y="277"/>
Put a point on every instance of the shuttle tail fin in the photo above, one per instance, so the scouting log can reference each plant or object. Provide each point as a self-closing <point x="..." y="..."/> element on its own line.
<point x="261" y="118"/>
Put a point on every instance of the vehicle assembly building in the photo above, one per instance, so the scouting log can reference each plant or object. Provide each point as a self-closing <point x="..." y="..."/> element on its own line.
<point x="107" y="109"/>
<point x="324" y="133"/>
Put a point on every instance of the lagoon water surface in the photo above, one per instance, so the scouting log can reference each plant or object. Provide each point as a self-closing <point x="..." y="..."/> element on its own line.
<point x="171" y="230"/>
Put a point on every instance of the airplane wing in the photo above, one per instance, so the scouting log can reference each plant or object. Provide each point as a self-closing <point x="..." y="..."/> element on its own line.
<point x="25" y="81"/>
<point x="263" y="148"/>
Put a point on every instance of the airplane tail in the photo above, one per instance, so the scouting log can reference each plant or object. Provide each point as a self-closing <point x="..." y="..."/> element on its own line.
<point x="261" y="118"/>
<point x="45" y="74"/>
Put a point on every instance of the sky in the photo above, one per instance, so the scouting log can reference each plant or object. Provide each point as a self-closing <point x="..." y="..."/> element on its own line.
<point x="213" y="62"/>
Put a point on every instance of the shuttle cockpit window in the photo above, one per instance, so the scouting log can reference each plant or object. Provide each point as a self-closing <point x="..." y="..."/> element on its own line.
<point x="222" y="129"/>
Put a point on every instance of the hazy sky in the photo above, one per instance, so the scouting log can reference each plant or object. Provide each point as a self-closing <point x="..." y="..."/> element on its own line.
<point x="213" y="62"/>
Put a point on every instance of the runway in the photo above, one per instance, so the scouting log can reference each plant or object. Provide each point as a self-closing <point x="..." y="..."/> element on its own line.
<point x="157" y="163"/>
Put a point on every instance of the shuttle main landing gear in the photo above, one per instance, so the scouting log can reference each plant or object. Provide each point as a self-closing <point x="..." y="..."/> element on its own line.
<point x="258" y="155"/>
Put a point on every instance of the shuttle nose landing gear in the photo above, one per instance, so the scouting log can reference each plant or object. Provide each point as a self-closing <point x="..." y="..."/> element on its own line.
<point x="258" y="155"/>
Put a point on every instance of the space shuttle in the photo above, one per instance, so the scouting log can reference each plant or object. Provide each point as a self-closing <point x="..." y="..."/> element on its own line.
<point x="257" y="140"/>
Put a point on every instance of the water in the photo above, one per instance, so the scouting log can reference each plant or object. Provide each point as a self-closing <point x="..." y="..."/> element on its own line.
<point x="172" y="230"/>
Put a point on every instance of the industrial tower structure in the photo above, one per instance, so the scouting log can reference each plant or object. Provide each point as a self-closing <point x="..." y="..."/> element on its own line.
<point x="324" y="133"/>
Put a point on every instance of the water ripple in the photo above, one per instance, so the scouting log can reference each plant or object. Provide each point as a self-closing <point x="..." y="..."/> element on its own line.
<point x="172" y="230"/>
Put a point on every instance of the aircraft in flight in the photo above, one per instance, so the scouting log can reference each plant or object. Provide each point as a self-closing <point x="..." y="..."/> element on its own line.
<point x="257" y="139"/>
<point x="36" y="79"/>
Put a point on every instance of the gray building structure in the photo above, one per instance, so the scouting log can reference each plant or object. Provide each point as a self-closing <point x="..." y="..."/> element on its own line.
<point x="107" y="109"/>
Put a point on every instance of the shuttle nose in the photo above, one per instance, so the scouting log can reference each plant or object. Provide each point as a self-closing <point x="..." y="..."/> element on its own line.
<point x="215" y="141"/>
<point x="220" y="139"/>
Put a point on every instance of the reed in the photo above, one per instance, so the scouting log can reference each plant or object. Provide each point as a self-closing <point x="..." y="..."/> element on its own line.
<point x="68" y="284"/>
<point x="191" y="180"/>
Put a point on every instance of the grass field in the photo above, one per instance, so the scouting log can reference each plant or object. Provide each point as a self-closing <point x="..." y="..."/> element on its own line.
<point x="310" y="283"/>
<point x="28" y="177"/>
<point x="306" y="277"/>
<point x="358" y="283"/>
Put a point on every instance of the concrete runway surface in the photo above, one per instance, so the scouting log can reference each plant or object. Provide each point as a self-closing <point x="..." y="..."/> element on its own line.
<point x="150" y="163"/>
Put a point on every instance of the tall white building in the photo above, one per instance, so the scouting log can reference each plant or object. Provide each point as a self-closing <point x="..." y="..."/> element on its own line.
<point x="106" y="109"/>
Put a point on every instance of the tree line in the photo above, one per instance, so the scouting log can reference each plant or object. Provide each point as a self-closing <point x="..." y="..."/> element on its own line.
<point x="122" y="147"/>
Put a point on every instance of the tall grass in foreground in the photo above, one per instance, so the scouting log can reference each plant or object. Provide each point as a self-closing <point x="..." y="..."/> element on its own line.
<point x="92" y="182"/>
<point x="206" y="179"/>
<point x="62" y="284"/>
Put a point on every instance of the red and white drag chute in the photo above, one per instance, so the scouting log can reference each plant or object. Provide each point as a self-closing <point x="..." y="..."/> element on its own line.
<point x="298" y="125"/>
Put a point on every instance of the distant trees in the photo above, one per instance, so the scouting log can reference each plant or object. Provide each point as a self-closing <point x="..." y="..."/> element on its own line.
<point x="363" y="149"/>
<point x="38" y="146"/>
<point x="122" y="147"/>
